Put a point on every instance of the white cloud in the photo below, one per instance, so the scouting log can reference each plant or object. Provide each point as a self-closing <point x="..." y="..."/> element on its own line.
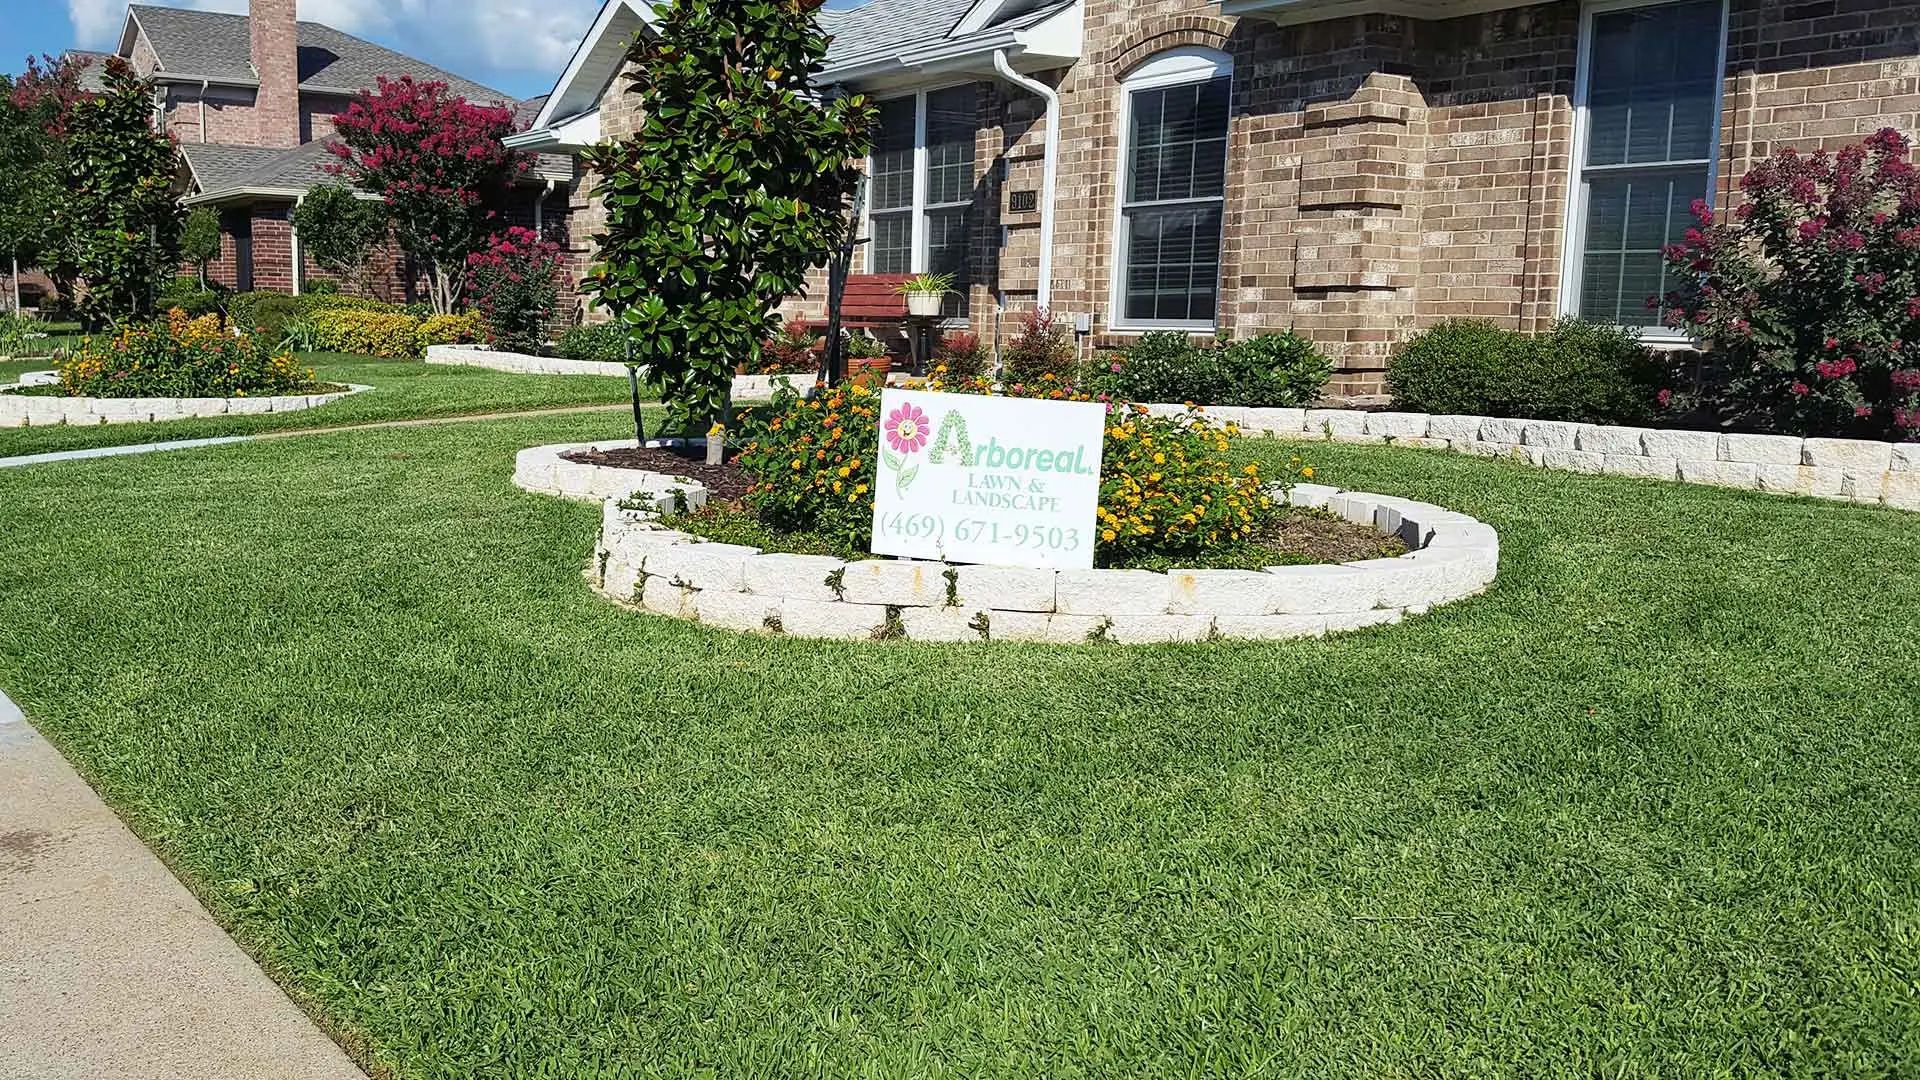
<point x="472" y="37"/>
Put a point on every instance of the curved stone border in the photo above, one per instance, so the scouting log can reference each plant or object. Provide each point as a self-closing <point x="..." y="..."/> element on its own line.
<point x="1851" y="470"/>
<point x="35" y="410"/>
<point x="745" y="387"/>
<point x="641" y="562"/>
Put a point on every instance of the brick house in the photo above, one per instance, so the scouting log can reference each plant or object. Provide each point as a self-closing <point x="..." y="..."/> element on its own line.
<point x="250" y="98"/>
<point x="1354" y="169"/>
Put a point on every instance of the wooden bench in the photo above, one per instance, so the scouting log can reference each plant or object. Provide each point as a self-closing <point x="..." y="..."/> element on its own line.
<point x="872" y="301"/>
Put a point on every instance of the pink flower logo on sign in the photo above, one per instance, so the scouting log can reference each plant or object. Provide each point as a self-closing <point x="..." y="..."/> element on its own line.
<point x="907" y="429"/>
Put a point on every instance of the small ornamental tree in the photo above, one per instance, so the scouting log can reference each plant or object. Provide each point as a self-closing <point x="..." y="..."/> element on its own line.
<point x="1810" y="294"/>
<point x="736" y="184"/>
<point x="339" y="230"/>
<point x="515" y="284"/>
<point x="119" y="211"/>
<point x="439" y="164"/>
<point x="33" y="162"/>
<point x="200" y="240"/>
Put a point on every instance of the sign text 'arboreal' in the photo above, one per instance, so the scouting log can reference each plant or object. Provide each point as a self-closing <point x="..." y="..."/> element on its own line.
<point x="966" y="478"/>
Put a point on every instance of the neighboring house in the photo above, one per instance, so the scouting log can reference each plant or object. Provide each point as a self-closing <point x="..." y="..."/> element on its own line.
<point x="1354" y="169"/>
<point x="251" y="99"/>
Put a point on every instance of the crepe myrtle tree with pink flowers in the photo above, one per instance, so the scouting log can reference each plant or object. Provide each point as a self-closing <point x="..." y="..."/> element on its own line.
<point x="1808" y="295"/>
<point x="439" y="164"/>
<point x="515" y="282"/>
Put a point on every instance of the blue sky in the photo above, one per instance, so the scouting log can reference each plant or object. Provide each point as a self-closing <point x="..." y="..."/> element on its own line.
<point x="518" y="46"/>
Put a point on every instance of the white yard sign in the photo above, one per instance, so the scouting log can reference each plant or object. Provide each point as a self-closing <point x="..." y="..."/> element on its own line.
<point x="966" y="478"/>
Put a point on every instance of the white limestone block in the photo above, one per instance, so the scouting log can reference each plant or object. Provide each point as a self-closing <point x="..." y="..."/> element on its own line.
<point x="634" y="541"/>
<point x="945" y="623"/>
<point x="1159" y="629"/>
<point x="1111" y="592"/>
<point x="1477" y="448"/>
<point x="1068" y="629"/>
<point x="1600" y="439"/>
<point x="122" y="410"/>
<point x="1454" y="428"/>
<point x="203" y="407"/>
<point x="1405" y="581"/>
<point x="1397" y="425"/>
<point x="1424" y="444"/>
<point x="1762" y="449"/>
<point x="735" y="610"/>
<point x="900" y="582"/>
<point x="1903" y="490"/>
<point x="621" y="580"/>
<point x="1734" y="474"/>
<point x="846" y="622"/>
<point x="1215" y="592"/>
<point x="1005" y="588"/>
<point x="1311" y="496"/>
<point x="253" y="406"/>
<point x="1682" y="445"/>
<point x="663" y="597"/>
<point x="1269" y="627"/>
<point x="702" y="565"/>
<point x="1501" y="429"/>
<point x="1273" y="421"/>
<point x="1857" y="455"/>
<point x="1335" y="422"/>
<point x="1639" y="465"/>
<point x="1579" y="461"/>
<point x="1356" y="508"/>
<point x="1021" y="625"/>
<point x="1360" y="440"/>
<point x="1863" y="486"/>
<point x="1319" y="590"/>
<point x="1552" y="434"/>
<point x="802" y="576"/>
<point x="1905" y="457"/>
<point x="47" y="411"/>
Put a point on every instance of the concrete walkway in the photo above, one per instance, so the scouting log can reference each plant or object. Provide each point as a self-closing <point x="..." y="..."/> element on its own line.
<point x="188" y="444"/>
<point x="109" y="968"/>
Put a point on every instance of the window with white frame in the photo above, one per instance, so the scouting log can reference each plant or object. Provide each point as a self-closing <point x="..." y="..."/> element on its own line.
<point x="920" y="216"/>
<point x="1649" y="127"/>
<point x="1173" y="172"/>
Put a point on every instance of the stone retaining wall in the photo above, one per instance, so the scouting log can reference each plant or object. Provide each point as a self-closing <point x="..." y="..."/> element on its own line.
<point x="640" y="562"/>
<point x="1853" y="470"/>
<point x="34" y="410"/>
<point x="745" y="387"/>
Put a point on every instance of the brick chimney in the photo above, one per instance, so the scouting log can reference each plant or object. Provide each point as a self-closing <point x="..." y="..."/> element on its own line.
<point x="276" y="60"/>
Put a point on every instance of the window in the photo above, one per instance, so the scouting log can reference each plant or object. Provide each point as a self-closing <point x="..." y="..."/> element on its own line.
<point x="921" y="182"/>
<point x="1173" y="188"/>
<point x="1649" y="130"/>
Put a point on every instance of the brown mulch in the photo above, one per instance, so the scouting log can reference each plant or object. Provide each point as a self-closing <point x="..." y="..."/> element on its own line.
<point x="1327" y="538"/>
<point x="724" y="482"/>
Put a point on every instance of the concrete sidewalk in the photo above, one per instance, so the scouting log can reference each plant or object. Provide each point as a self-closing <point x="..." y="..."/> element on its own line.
<point x="110" y="968"/>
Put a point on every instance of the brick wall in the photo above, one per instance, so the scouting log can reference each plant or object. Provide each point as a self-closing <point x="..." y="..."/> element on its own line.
<point x="229" y="115"/>
<point x="275" y="42"/>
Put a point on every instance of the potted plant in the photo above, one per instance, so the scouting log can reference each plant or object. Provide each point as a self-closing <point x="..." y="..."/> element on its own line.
<point x="925" y="293"/>
<point x="867" y="360"/>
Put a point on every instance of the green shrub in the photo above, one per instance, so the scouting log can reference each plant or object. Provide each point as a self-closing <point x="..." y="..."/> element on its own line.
<point x="605" y="342"/>
<point x="1576" y="371"/>
<point x="187" y="294"/>
<point x="263" y="312"/>
<point x="462" y="329"/>
<point x="1274" y="370"/>
<point x="1268" y="370"/>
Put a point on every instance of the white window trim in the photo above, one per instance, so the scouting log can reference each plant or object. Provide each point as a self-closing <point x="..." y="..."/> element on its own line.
<point x="917" y="254"/>
<point x="1573" y="234"/>
<point x="1175" y="67"/>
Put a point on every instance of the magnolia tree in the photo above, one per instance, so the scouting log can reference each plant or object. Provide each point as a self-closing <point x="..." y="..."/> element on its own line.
<point x="118" y="210"/>
<point x="1810" y="294"/>
<point x="439" y="164"/>
<point x="736" y="184"/>
<point x="515" y="283"/>
<point x="339" y="229"/>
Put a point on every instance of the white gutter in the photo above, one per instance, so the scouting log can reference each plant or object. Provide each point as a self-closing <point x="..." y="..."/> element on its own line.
<point x="1048" y="168"/>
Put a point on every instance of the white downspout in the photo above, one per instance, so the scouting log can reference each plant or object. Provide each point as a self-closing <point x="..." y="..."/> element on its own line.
<point x="1048" y="167"/>
<point x="293" y="248"/>
<point x="203" y="112"/>
<point x="539" y="209"/>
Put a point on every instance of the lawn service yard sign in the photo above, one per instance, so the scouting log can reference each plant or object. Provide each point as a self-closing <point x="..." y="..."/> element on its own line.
<point x="966" y="478"/>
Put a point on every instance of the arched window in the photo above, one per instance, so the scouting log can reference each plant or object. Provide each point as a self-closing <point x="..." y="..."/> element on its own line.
<point x="1173" y="172"/>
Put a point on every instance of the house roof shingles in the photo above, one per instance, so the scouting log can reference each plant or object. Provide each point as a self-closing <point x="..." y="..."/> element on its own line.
<point x="212" y="45"/>
<point x="887" y="28"/>
<point x="216" y="166"/>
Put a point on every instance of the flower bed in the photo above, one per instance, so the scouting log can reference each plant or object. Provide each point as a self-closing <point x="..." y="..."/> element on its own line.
<point x="47" y="410"/>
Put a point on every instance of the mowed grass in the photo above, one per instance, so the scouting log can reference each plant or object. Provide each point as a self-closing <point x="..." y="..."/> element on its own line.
<point x="403" y="390"/>
<point x="1648" y="808"/>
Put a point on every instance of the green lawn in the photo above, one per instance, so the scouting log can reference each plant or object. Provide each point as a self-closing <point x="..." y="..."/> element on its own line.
<point x="403" y="389"/>
<point x="1649" y="808"/>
